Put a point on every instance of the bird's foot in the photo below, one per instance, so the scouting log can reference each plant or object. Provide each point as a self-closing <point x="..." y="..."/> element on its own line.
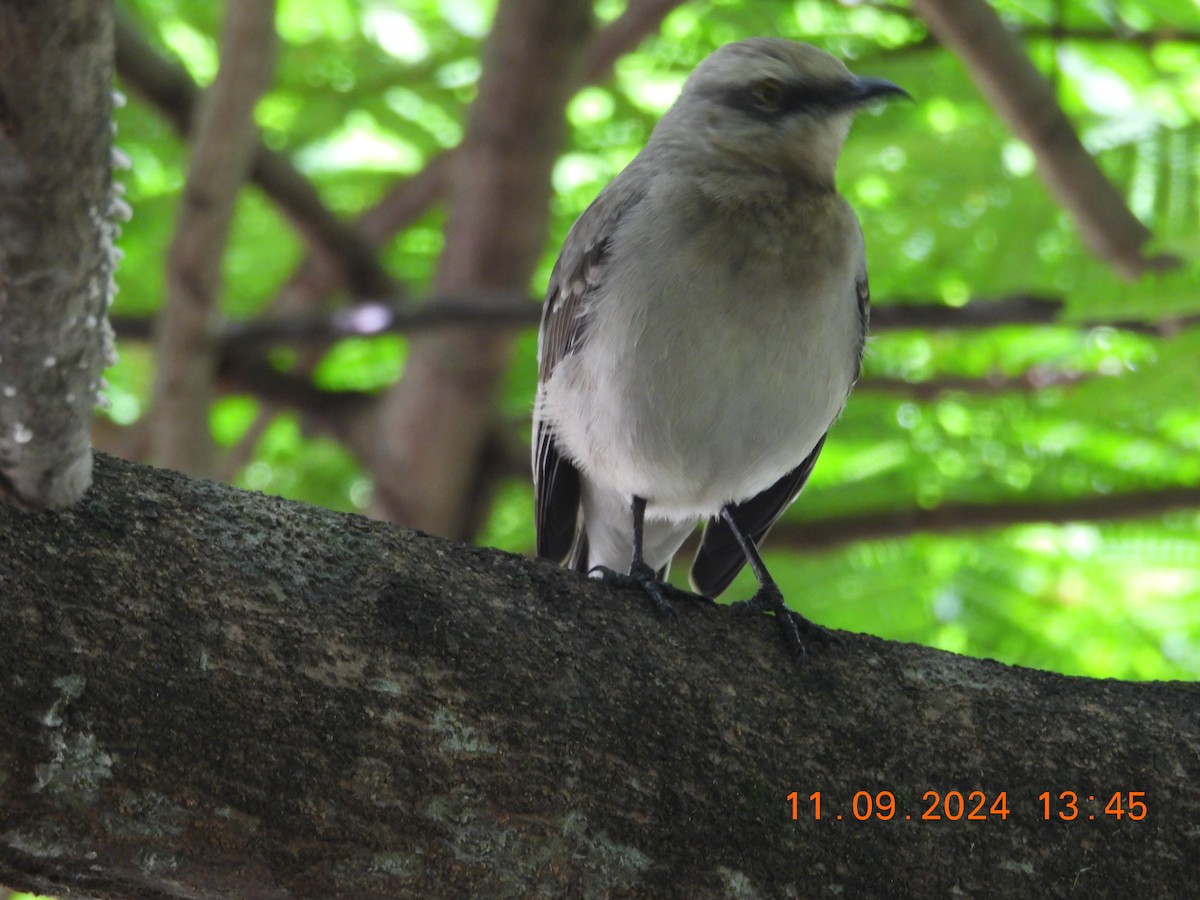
<point x="645" y="579"/>
<point x="795" y="628"/>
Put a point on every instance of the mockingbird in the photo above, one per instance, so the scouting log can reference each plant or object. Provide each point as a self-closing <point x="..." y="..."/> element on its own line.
<point x="703" y="327"/>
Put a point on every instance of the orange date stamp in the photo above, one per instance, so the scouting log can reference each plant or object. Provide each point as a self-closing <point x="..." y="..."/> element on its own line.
<point x="972" y="806"/>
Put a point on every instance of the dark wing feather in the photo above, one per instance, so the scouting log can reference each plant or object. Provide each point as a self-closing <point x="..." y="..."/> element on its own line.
<point x="556" y="498"/>
<point x="719" y="558"/>
<point x="573" y="286"/>
<point x="555" y="479"/>
<point x="564" y="314"/>
<point x="862" y="292"/>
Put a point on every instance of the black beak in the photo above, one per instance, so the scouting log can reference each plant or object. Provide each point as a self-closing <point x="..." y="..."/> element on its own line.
<point x="864" y="90"/>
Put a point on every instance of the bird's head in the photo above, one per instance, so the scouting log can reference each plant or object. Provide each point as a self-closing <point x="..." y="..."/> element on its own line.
<point x="772" y="105"/>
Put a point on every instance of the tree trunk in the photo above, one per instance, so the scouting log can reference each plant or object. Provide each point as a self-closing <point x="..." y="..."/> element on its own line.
<point x="57" y="206"/>
<point x="212" y="693"/>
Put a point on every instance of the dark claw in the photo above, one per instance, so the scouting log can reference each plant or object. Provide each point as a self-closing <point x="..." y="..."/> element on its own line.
<point x="768" y="598"/>
<point x="643" y="578"/>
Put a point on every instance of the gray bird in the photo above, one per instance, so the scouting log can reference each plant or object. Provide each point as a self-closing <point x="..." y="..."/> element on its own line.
<point x="702" y="328"/>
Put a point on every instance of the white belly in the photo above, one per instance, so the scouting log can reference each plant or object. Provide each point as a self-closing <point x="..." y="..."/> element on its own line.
<point x="700" y="403"/>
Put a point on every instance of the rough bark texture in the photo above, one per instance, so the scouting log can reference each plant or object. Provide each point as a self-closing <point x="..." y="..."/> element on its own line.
<point x="210" y="693"/>
<point x="56" y="250"/>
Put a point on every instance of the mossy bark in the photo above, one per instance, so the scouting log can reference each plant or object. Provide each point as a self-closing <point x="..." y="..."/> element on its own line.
<point x="212" y="693"/>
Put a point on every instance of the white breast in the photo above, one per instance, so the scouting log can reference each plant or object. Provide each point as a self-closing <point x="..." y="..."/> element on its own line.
<point x="715" y="359"/>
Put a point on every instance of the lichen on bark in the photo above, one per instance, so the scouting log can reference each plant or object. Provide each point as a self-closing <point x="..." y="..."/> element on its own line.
<point x="58" y="207"/>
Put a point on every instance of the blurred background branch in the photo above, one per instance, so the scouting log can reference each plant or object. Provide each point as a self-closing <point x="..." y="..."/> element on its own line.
<point x="222" y="143"/>
<point x="1019" y="93"/>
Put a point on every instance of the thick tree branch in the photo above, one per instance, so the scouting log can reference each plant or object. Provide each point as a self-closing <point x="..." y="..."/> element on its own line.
<point x="56" y="243"/>
<point x="1025" y="100"/>
<point x="210" y="693"/>
<point x="225" y="137"/>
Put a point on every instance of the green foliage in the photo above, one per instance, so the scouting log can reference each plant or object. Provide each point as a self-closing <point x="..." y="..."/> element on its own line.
<point x="318" y="470"/>
<point x="952" y="210"/>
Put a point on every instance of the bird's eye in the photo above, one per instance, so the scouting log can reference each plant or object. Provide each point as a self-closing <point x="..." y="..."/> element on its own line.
<point x="767" y="94"/>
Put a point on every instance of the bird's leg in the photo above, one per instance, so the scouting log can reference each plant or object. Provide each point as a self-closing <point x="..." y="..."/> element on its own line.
<point x="639" y="570"/>
<point x="768" y="597"/>
<point x="640" y="574"/>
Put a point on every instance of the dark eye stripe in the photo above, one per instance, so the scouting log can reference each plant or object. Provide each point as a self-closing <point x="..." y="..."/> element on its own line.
<point x="796" y="98"/>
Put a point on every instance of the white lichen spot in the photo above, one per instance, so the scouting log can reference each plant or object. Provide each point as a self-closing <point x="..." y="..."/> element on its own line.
<point x="70" y="398"/>
<point x="398" y="864"/>
<point x="387" y="686"/>
<point x="77" y="763"/>
<point x="152" y="864"/>
<point x="459" y="737"/>
<point x="35" y="845"/>
<point x="50" y="362"/>
<point x="738" y="885"/>
<point x="90" y="322"/>
<point x="120" y="210"/>
<point x="118" y="100"/>
<point x="9" y="391"/>
<point x="102" y="402"/>
<point x="622" y="861"/>
<point x="21" y="434"/>
<point x="121" y="160"/>
<point x="1020" y="866"/>
<point x="69" y="688"/>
